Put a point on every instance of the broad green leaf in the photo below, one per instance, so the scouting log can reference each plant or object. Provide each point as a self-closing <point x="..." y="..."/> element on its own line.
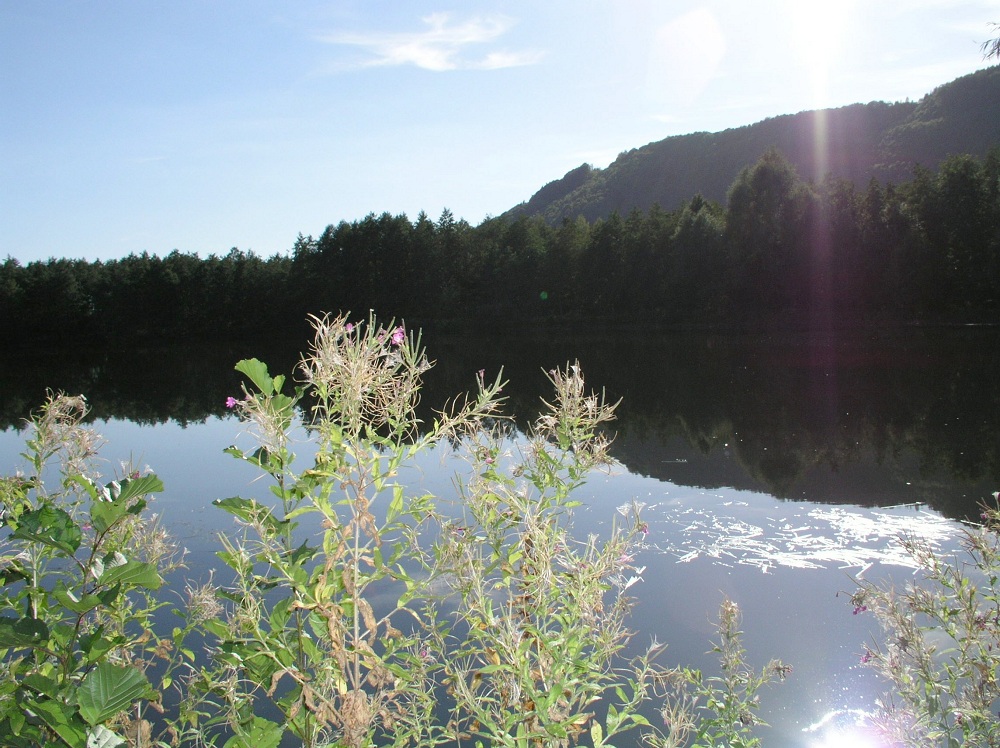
<point x="63" y="721"/>
<point x="256" y="372"/>
<point x="129" y="488"/>
<point x="41" y="684"/>
<point x="110" y="689"/>
<point x="262" y="733"/>
<point x="104" y="514"/>
<point x="72" y="602"/>
<point x="132" y="572"/>
<point x="597" y="734"/>
<point x="95" y="646"/>
<point x="250" y="510"/>
<point x="85" y="483"/>
<point x="280" y="614"/>
<point x="17" y="721"/>
<point x="49" y="526"/>
<point x="22" y="632"/>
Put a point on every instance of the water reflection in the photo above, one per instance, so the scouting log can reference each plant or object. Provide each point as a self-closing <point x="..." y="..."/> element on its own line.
<point x="874" y="419"/>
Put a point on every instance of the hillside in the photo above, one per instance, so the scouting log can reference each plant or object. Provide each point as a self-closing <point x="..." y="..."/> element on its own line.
<point x="877" y="139"/>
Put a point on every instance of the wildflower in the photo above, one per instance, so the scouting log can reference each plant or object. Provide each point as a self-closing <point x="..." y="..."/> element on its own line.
<point x="398" y="336"/>
<point x="860" y="609"/>
<point x="644" y="528"/>
<point x="866" y="657"/>
<point x="231" y="402"/>
<point x="349" y="327"/>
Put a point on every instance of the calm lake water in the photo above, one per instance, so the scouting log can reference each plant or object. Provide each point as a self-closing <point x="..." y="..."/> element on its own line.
<point x="774" y="469"/>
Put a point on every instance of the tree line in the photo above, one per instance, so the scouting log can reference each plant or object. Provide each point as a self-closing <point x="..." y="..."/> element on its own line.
<point x="780" y="251"/>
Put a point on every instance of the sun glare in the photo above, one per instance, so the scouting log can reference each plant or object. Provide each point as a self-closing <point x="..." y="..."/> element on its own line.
<point x="842" y="729"/>
<point x="818" y="27"/>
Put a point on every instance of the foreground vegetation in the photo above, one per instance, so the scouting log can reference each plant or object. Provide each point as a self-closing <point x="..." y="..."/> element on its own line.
<point x="503" y="627"/>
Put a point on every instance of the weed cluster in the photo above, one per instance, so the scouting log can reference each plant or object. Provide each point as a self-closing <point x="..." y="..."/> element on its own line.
<point x="504" y="628"/>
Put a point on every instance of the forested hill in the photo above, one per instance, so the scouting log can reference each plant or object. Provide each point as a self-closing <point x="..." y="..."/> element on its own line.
<point x="879" y="140"/>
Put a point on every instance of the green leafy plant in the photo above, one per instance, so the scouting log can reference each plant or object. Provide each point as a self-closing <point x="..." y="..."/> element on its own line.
<point x="719" y="711"/>
<point x="358" y="610"/>
<point x="302" y="632"/>
<point x="541" y="614"/>
<point x="941" y="650"/>
<point x="79" y="569"/>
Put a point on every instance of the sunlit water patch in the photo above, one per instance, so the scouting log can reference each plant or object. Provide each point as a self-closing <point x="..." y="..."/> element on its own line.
<point x="802" y="537"/>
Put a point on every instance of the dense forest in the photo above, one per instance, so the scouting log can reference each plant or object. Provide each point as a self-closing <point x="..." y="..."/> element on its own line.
<point x="780" y="251"/>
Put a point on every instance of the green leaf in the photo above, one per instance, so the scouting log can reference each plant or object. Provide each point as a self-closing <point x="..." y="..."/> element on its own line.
<point x="49" y="526"/>
<point x="597" y="734"/>
<point x="250" y="510"/>
<point x="22" y="632"/>
<point x="280" y="614"/>
<point x="71" y="602"/>
<point x="63" y="721"/>
<point x="129" y="488"/>
<point x="95" y="646"/>
<point x="41" y="684"/>
<point x="104" y="514"/>
<point x="132" y="572"/>
<point x="395" y="505"/>
<point x="110" y="689"/>
<point x="262" y="733"/>
<point x="85" y="483"/>
<point x="256" y="371"/>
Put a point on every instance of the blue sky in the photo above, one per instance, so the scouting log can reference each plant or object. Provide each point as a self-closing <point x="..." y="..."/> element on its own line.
<point x="132" y="125"/>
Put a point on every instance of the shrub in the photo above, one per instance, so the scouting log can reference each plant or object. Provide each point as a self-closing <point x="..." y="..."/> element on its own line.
<point x="941" y="650"/>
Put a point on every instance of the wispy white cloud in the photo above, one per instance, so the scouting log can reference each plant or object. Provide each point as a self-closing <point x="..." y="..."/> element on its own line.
<point x="440" y="46"/>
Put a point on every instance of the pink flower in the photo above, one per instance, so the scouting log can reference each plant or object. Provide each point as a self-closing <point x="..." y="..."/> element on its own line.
<point x="349" y="327"/>
<point x="231" y="402"/>
<point x="398" y="336"/>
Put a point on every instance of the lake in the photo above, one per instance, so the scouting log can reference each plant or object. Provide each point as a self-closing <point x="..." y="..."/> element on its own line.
<point x="774" y="468"/>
